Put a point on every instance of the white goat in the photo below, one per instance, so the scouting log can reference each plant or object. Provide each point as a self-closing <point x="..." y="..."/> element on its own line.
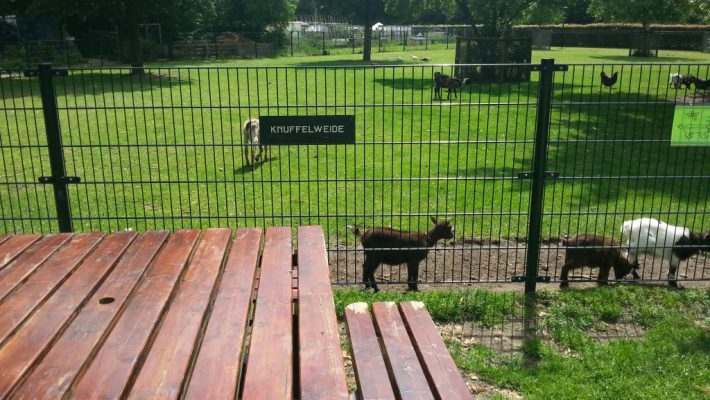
<point x="251" y="136"/>
<point x="657" y="238"/>
<point x="677" y="80"/>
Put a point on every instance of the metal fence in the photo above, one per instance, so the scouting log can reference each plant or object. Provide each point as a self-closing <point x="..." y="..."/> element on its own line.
<point x="341" y="39"/>
<point x="514" y="166"/>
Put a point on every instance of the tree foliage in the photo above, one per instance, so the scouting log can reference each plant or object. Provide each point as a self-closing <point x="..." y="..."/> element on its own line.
<point x="494" y="17"/>
<point x="645" y="12"/>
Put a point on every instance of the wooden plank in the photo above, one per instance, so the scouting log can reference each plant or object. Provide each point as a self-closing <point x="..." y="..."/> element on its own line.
<point x="53" y="376"/>
<point x="438" y="365"/>
<point x="109" y="373"/>
<point x="322" y="370"/>
<point x="269" y="373"/>
<point x="371" y="373"/>
<point x="4" y="238"/>
<point x="14" y="246"/>
<point x="219" y="361"/>
<point x="163" y="372"/>
<point x="24" y="265"/>
<point x="20" y="303"/>
<point x="400" y="356"/>
<point x="19" y="353"/>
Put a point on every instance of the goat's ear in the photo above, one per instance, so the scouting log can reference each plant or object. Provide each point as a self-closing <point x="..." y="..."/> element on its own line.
<point x="433" y="219"/>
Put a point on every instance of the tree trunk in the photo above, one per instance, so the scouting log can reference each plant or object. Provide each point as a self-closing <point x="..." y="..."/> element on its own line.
<point x="645" y="41"/>
<point x="367" y="45"/>
<point x="135" y="53"/>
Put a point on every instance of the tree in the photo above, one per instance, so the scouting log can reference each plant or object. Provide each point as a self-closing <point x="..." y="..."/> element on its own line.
<point x="644" y="12"/>
<point x="488" y="18"/>
<point x="254" y="17"/>
<point x="361" y="12"/>
<point x="79" y="16"/>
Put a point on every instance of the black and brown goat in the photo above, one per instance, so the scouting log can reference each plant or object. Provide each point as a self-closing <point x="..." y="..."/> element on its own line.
<point x="594" y="251"/>
<point x="394" y="247"/>
<point x="448" y="82"/>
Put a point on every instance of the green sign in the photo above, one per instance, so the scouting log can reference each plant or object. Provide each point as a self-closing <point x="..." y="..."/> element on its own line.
<point x="691" y="126"/>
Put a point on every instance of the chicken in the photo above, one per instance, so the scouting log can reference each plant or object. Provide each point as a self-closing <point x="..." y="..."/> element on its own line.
<point x="415" y="58"/>
<point x="426" y="59"/>
<point x="399" y="59"/>
<point x="609" y="81"/>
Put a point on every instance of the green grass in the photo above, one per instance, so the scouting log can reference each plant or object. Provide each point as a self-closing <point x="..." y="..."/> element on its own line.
<point x="175" y="134"/>
<point x="671" y="360"/>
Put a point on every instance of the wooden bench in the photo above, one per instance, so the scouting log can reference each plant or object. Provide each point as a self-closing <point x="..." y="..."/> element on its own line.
<point x="154" y="315"/>
<point x="401" y="355"/>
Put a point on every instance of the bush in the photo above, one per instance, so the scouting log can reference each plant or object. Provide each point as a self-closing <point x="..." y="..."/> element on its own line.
<point x="671" y="37"/>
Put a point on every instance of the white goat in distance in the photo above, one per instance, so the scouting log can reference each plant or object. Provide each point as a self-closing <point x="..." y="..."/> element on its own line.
<point x="251" y="137"/>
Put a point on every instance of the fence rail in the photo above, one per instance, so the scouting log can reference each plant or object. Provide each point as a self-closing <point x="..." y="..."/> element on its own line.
<point x="163" y="150"/>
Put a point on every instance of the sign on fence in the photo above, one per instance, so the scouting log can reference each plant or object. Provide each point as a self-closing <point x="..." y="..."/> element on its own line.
<point x="691" y="126"/>
<point x="312" y="129"/>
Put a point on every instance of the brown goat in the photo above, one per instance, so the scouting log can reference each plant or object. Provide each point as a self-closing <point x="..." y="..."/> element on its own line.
<point x="604" y="254"/>
<point x="407" y="247"/>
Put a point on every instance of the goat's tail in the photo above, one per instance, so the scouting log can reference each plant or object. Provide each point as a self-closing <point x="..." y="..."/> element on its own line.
<point x="355" y="230"/>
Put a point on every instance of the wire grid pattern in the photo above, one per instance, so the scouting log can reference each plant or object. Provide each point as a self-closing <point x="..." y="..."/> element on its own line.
<point x="164" y="151"/>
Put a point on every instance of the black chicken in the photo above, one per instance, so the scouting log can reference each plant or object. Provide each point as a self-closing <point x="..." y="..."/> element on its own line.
<point x="607" y="80"/>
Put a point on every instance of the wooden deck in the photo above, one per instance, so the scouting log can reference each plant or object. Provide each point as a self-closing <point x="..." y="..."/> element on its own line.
<point x="158" y="316"/>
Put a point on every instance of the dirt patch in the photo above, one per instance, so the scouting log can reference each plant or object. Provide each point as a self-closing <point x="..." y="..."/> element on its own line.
<point x="476" y="261"/>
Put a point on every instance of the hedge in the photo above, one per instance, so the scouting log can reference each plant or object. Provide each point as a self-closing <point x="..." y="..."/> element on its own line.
<point x="671" y="37"/>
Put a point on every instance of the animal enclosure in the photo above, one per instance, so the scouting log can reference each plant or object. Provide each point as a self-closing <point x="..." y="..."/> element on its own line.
<point x="164" y="151"/>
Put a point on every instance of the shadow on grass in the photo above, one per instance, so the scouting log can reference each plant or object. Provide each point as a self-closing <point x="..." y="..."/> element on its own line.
<point x="99" y="82"/>
<point x="247" y="169"/>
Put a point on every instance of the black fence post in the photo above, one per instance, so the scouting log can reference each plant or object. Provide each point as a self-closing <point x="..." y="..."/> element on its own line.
<point x="542" y="128"/>
<point x="291" y="43"/>
<point x="58" y="179"/>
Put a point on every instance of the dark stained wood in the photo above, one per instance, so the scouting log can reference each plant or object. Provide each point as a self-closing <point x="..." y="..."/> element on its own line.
<point x="438" y="365"/>
<point x="110" y="370"/>
<point x="269" y="373"/>
<point x="12" y="247"/>
<point x="163" y="371"/>
<point x="24" y="265"/>
<point x="401" y="358"/>
<point x="322" y="371"/>
<point x="52" y="377"/>
<point x="20" y="303"/>
<point x="219" y="360"/>
<point x="20" y="351"/>
<point x="370" y="370"/>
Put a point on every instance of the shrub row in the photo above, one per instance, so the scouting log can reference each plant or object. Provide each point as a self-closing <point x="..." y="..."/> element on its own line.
<point x="670" y="37"/>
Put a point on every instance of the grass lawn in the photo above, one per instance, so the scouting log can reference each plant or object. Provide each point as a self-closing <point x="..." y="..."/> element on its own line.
<point x="159" y="152"/>
<point x="671" y="359"/>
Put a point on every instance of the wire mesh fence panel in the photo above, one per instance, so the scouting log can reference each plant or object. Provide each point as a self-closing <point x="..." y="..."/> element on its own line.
<point x="165" y="150"/>
<point x="611" y="146"/>
<point x="25" y="204"/>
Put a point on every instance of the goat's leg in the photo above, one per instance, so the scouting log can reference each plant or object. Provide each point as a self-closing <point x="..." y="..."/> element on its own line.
<point x="633" y="259"/>
<point x="246" y="154"/>
<point x="412" y="276"/>
<point x="366" y="272"/>
<point x="564" y="276"/>
<point x="371" y="275"/>
<point x="672" y="281"/>
<point x="603" y="277"/>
